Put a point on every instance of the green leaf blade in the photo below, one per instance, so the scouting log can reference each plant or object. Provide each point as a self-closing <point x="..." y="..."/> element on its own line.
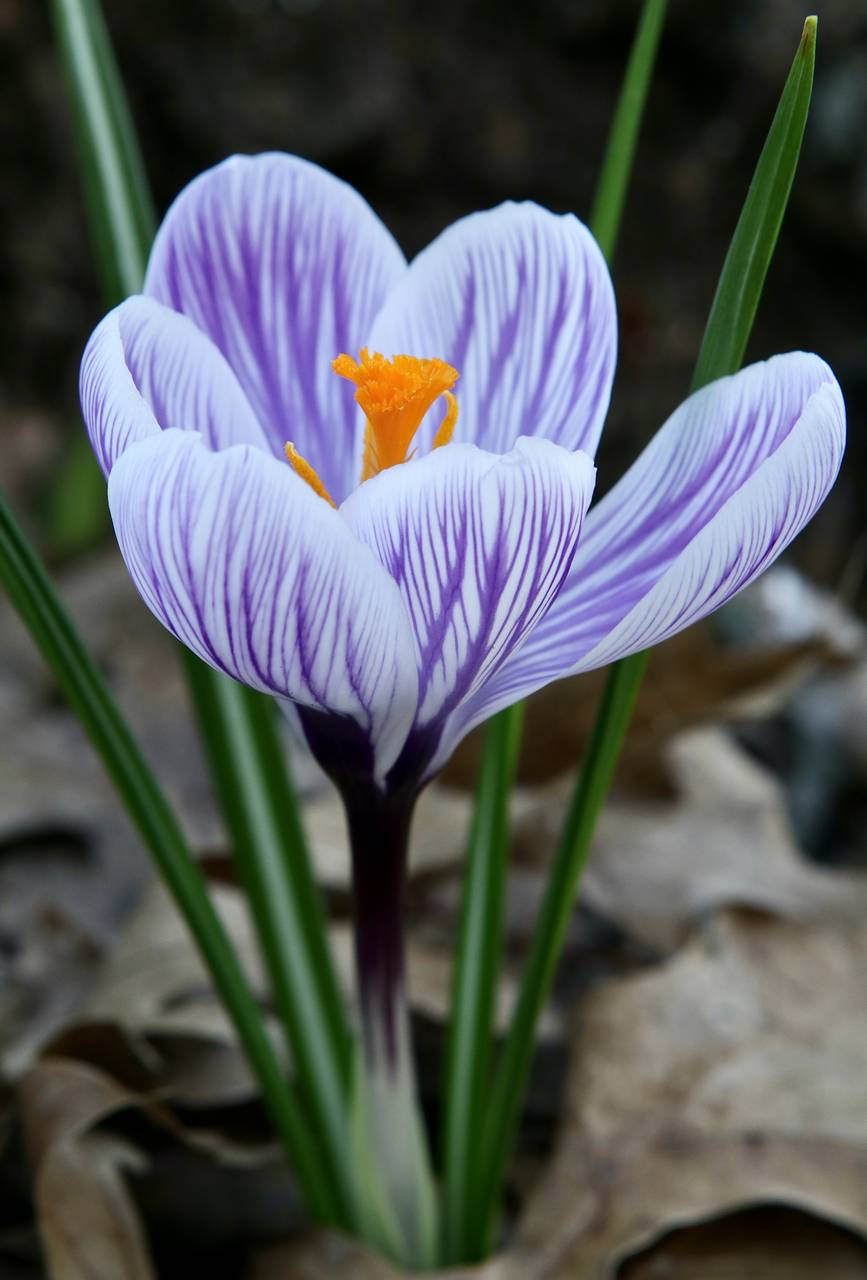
<point x="244" y="750"/>
<point x="480" y="936"/>
<point x="36" y="602"/>
<point x="480" y="944"/>
<point x="505" y="1097"/>
<point x="469" y="1193"/>
<point x="752" y="246"/>
<point x="118" y="198"/>
<point x="726" y="335"/>
<point x="619" y="155"/>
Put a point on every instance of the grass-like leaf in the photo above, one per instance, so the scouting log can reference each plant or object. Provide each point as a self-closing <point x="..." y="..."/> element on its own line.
<point x="466" y="1207"/>
<point x="119" y="204"/>
<point x="725" y="340"/>
<point x="32" y="594"/>
<point x="237" y="725"/>
<point x="246" y="754"/>
<point x="743" y="275"/>
<point x="479" y="951"/>
<point x="616" y="170"/>
<point x="122" y="218"/>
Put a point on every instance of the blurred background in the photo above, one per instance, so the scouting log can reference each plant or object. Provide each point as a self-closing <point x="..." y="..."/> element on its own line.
<point x="433" y="111"/>
<point x="730" y="891"/>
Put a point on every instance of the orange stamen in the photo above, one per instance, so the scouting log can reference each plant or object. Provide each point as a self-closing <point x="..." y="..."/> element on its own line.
<point x="449" y="422"/>
<point x="303" y="468"/>
<point x="394" y="396"/>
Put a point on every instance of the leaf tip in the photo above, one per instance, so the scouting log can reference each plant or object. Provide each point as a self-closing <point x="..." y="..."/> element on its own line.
<point x="809" y="34"/>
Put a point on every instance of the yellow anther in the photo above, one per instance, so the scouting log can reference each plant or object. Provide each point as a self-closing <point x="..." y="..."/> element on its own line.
<point x="394" y="396"/>
<point x="303" y="468"/>
<point x="449" y="422"/>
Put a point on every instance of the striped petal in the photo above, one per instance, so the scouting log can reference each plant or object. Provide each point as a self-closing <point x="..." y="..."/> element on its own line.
<point x="519" y="300"/>
<point x="479" y="546"/>
<point x="284" y="266"/>
<point x="733" y="476"/>
<point x="145" y="369"/>
<point x="264" y="581"/>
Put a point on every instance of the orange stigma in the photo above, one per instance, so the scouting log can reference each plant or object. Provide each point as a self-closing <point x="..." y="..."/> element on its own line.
<point x="394" y="396"/>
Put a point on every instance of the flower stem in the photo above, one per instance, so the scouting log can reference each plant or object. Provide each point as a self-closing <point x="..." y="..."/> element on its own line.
<point x="379" y="838"/>
<point x="394" y="1190"/>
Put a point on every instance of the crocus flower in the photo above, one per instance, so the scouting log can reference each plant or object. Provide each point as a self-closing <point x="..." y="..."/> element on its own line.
<point x="361" y="485"/>
<point x="393" y="599"/>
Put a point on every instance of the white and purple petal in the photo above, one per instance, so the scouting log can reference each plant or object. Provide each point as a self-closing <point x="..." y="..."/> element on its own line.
<point x="241" y="561"/>
<point x="520" y="301"/>
<point x="479" y="546"/>
<point x="284" y="267"/>
<point x="147" y="369"/>
<point x="733" y="476"/>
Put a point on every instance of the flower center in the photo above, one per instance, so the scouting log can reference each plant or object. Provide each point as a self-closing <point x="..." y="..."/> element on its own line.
<point x="394" y="396"/>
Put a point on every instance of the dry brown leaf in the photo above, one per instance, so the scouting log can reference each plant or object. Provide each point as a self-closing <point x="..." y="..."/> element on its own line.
<point x="70" y="863"/>
<point x="69" y="867"/>
<point x="155" y="979"/>
<point x="656" y="867"/>
<point x="89" y="1226"/>
<point x="784" y="607"/>
<point x="706" y="1093"/>
<point x="768" y="1243"/>
<point x="323" y="1255"/>
<point x="690" y="681"/>
<point x="146" y="678"/>
<point x="731" y="1079"/>
<point x="317" y="1255"/>
<point x="758" y="1022"/>
<point x="795" y="630"/>
<point x="761" y="1244"/>
<point x="650" y="876"/>
<point x="155" y="987"/>
<point x="34" y="1001"/>
<point x="732" y="1076"/>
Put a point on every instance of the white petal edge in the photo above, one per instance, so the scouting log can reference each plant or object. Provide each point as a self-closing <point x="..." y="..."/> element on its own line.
<point x="145" y="369"/>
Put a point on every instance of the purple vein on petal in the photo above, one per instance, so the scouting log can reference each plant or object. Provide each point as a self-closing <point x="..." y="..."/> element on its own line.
<point x="244" y="564"/>
<point x="284" y="266"/>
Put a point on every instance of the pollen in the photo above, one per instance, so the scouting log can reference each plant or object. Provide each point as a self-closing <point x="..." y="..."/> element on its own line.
<point x="394" y="396"/>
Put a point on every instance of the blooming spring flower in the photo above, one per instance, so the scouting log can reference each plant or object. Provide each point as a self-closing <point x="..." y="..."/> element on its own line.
<point x="394" y="554"/>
